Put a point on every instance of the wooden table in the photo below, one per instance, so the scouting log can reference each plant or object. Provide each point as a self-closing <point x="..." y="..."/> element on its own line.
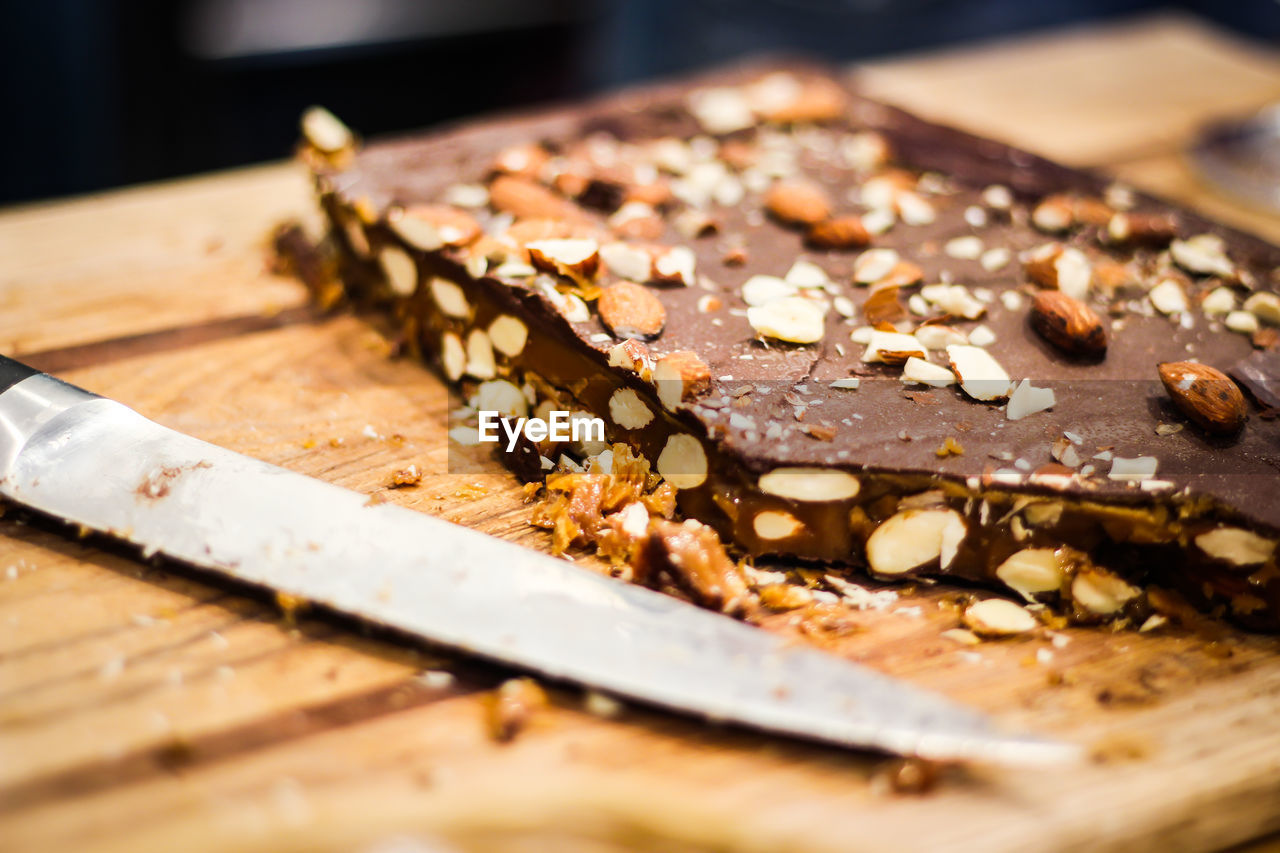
<point x="142" y="709"/>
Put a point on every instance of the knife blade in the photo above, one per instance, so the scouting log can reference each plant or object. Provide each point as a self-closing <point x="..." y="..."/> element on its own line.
<point x="94" y="462"/>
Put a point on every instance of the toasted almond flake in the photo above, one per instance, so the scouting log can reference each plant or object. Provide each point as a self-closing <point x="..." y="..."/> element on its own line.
<point x="925" y="373"/>
<point x="912" y="539"/>
<point x="1236" y="545"/>
<point x="1101" y="593"/>
<point x="776" y="524"/>
<point x="939" y="337"/>
<point x="627" y="409"/>
<point x="892" y="348"/>
<point x="763" y="289"/>
<point x="1221" y="300"/>
<point x="508" y="335"/>
<point x="499" y="395"/>
<point x="849" y="383"/>
<point x="1168" y="297"/>
<point x="480" y="361"/>
<point x="1204" y="254"/>
<point x="683" y="463"/>
<point x="982" y="336"/>
<point x="792" y="319"/>
<point x="721" y="109"/>
<point x="810" y="484"/>
<point x="1136" y="468"/>
<point x="1242" y="321"/>
<point x="963" y="248"/>
<point x="453" y="357"/>
<point x="1028" y="400"/>
<point x="1032" y="571"/>
<point x="878" y="220"/>
<point x="577" y="258"/>
<point x="844" y="306"/>
<point x="997" y="197"/>
<point x="873" y="265"/>
<point x="980" y="375"/>
<point x="400" y="269"/>
<point x="1264" y="306"/>
<point x="996" y="617"/>
<point x="449" y="298"/>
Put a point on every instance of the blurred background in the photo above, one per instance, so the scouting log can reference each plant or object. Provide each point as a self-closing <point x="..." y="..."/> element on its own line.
<point x="100" y="93"/>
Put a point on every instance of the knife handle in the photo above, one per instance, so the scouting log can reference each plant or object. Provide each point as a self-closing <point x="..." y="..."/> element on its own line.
<point x="12" y="372"/>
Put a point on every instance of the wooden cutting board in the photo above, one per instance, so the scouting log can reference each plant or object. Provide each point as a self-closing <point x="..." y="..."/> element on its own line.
<point x="145" y="709"/>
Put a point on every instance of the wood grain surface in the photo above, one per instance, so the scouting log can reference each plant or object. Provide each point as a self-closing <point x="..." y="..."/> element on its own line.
<point x="143" y="709"/>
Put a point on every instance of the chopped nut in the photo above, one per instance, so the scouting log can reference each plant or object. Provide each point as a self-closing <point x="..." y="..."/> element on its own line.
<point x="525" y="199"/>
<point x="926" y="373"/>
<point x="633" y="355"/>
<point x="996" y="617"/>
<point x="627" y="409"/>
<point x="775" y="524"/>
<point x="480" y="361"/>
<point x="692" y="554"/>
<point x="630" y="262"/>
<point x="400" y="269"/>
<point x="525" y="160"/>
<point x="810" y="484"/>
<point x="1146" y="229"/>
<point x="325" y="131"/>
<point x="449" y="298"/>
<point x="503" y="397"/>
<point x="1101" y="593"/>
<point x="1168" y="297"/>
<point x="1265" y="306"/>
<point x="675" y="265"/>
<point x="508" y="335"/>
<point x="577" y="259"/>
<point x="432" y="226"/>
<point x="892" y="348"/>
<point x="1032" y="571"/>
<point x="679" y="376"/>
<point x="453" y="357"/>
<point x="793" y="319"/>
<point x="1028" y="400"/>
<point x="1236" y="546"/>
<point x="873" y="265"/>
<point x="1054" y="214"/>
<point x="1204" y="394"/>
<point x="1204" y="254"/>
<point x="913" y="539"/>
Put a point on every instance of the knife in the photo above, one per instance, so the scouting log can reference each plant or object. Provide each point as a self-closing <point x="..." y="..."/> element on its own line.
<point x="94" y="462"/>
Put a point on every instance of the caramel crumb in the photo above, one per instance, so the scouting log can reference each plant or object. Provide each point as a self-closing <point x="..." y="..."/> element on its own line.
<point x="290" y="606"/>
<point x="410" y="476"/>
<point x="510" y="708"/>
<point x="906" y="776"/>
<point x="950" y="447"/>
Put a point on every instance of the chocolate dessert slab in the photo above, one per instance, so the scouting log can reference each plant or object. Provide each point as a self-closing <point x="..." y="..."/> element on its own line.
<point x="846" y="335"/>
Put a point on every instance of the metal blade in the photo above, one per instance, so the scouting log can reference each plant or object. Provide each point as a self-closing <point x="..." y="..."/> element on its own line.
<point x="97" y="463"/>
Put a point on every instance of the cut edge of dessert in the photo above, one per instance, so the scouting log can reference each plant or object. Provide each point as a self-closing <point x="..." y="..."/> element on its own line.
<point x="546" y="276"/>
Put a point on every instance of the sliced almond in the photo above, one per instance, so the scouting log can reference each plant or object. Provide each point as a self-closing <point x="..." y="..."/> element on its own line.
<point x="980" y="375"/>
<point x="683" y="462"/>
<point x="810" y="484"/>
<point x="996" y="617"/>
<point x="1236" y="546"/>
<point x="1026" y="399"/>
<point x="679" y="376"/>
<point x="631" y="310"/>
<point x="892" y="348"/>
<point x="1204" y="394"/>
<point x="449" y="298"/>
<point x="525" y="160"/>
<point x="874" y="265"/>
<point x="763" y="289"/>
<point x="453" y="356"/>
<point x="1101" y="593"/>
<point x="922" y="372"/>
<point x="627" y="409"/>
<point x="1032" y="571"/>
<point x="798" y="202"/>
<point x="913" y="539"/>
<point x="776" y="524"/>
<point x="503" y="397"/>
<point x="793" y="319"/>
<point x="509" y="335"/>
<point x="480" y="360"/>
<point x="624" y="260"/>
<point x="1068" y="324"/>
<point x="400" y="269"/>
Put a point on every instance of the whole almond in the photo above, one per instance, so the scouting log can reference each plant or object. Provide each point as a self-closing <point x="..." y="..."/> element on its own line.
<point x="1142" y="229"/>
<point x="839" y="232"/>
<point x="1204" y="394"/>
<point x="1068" y="324"/>
<point x="798" y="202"/>
<point x="631" y="310"/>
<point x="525" y="199"/>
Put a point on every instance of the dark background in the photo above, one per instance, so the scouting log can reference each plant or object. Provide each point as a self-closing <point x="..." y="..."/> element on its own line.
<point x="98" y="93"/>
